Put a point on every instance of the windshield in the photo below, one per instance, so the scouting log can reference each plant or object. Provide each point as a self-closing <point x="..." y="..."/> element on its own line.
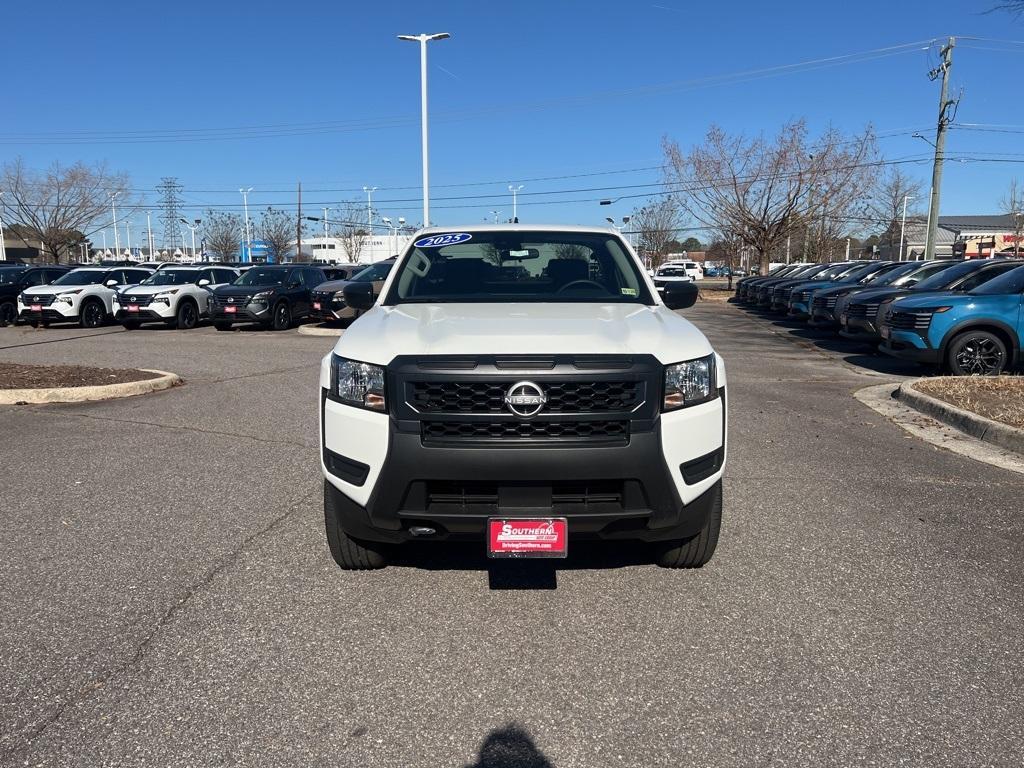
<point x="527" y="266"/>
<point x="893" y="276"/>
<point x="1007" y="283"/>
<point x="941" y="280"/>
<point x="82" y="277"/>
<point x="262" y="276"/>
<point x="374" y="273"/>
<point x="672" y="272"/>
<point x="173" y="277"/>
<point x="8" y="276"/>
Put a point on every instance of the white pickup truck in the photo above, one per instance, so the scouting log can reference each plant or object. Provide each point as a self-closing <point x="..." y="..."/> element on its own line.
<point x="522" y="386"/>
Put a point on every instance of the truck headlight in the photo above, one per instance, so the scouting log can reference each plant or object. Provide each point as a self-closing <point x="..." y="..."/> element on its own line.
<point x="690" y="383"/>
<point x="358" y="384"/>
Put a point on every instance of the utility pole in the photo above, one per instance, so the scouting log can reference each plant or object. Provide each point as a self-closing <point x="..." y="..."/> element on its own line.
<point x="128" y="232"/>
<point x="788" y="238"/>
<point x="940" y="145"/>
<point x="298" y="228"/>
<point x="325" y="226"/>
<point x="149" y="234"/>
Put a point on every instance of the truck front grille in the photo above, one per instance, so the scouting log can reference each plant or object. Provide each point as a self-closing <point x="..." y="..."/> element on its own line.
<point x="460" y="397"/>
<point x="517" y="430"/>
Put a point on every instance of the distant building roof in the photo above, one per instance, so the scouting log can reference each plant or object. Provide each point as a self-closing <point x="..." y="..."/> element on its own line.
<point x="986" y="223"/>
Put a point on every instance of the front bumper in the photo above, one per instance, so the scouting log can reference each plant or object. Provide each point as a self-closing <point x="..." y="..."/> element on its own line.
<point x="860" y="329"/>
<point x="798" y="310"/>
<point x="250" y="313"/>
<point x="54" y="313"/>
<point x="908" y="345"/>
<point x="655" y="487"/>
<point x="149" y="313"/>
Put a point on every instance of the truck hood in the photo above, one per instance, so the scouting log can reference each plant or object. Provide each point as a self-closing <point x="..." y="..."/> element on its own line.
<point x="521" y="328"/>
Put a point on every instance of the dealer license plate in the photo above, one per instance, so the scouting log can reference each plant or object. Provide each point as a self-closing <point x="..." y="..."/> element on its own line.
<point x="36" y="307"/>
<point x="132" y="307"/>
<point x="527" y="537"/>
<point x="231" y="310"/>
<point x="884" y="331"/>
<point x="316" y="305"/>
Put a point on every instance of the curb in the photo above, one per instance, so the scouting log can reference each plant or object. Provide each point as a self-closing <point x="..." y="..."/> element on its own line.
<point x="316" y="330"/>
<point x="976" y="426"/>
<point x="83" y="394"/>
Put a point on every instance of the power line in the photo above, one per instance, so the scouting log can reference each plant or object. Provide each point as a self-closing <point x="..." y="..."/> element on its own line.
<point x="177" y="135"/>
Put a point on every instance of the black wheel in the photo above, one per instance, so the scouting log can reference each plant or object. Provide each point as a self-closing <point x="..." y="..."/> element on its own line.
<point x="696" y="551"/>
<point x="282" y="319"/>
<point x="92" y="314"/>
<point x="187" y="315"/>
<point x="348" y="553"/>
<point x="976" y="353"/>
<point x="8" y="313"/>
<point x="131" y="325"/>
<point x="222" y="326"/>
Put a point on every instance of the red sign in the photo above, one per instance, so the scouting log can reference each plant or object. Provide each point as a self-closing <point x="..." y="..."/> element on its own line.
<point x="230" y="310"/>
<point x="535" y="537"/>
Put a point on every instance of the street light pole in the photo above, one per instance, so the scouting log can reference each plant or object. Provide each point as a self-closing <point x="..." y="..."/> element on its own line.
<point x="325" y="226"/>
<point x="903" y="226"/>
<point x="128" y="232"/>
<point x="3" y="246"/>
<point x="113" y="210"/>
<point x="369" y="208"/>
<point x="423" y="40"/>
<point x="515" y="192"/>
<point x="248" y="237"/>
<point x="149" y="234"/>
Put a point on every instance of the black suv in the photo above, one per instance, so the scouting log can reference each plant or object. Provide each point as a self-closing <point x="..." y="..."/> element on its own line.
<point x="272" y="295"/>
<point x="15" y="278"/>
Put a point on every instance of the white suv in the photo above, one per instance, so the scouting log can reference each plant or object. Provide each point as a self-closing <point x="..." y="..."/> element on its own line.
<point x="520" y="386"/>
<point x="694" y="270"/>
<point x="84" y="296"/>
<point x="177" y="296"/>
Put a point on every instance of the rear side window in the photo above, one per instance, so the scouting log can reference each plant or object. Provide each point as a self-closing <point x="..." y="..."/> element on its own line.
<point x="984" y="275"/>
<point x="133" y="276"/>
<point x="224" y="276"/>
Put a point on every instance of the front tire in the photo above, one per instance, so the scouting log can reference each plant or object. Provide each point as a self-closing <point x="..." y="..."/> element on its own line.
<point x="8" y="313"/>
<point x="282" y="319"/>
<point x="350" y="554"/>
<point x="187" y="315"/>
<point x="92" y="314"/>
<point x="976" y="353"/>
<point x="696" y="551"/>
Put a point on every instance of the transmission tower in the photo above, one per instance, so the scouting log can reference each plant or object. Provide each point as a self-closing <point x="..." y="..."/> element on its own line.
<point x="170" y="204"/>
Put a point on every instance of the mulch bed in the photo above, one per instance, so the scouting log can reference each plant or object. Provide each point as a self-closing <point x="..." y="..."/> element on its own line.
<point x="1000" y="398"/>
<point x="18" y="376"/>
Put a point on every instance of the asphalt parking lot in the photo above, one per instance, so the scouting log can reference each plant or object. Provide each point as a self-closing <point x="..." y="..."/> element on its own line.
<point x="169" y="599"/>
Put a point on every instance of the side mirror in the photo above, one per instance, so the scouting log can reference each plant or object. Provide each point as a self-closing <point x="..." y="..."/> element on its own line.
<point x="680" y="295"/>
<point x="203" y="283"/>
<point x="359" y="295"/>
<point x="110" y="283"/>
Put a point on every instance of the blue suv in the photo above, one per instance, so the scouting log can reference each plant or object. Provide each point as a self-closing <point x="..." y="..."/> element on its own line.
<point x="973" y="333"/>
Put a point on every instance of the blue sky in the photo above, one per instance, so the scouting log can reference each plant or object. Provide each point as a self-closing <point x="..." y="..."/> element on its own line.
<point x="522" y="91"/>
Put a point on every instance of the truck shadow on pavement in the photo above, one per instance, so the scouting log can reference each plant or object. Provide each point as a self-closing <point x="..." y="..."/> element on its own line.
<point x="539" y="574"/>
<point x="510" y="747"/>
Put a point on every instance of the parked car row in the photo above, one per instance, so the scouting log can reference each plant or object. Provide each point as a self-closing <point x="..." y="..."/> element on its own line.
<point x="964" y="316"/>
<point x="181" y="295"/>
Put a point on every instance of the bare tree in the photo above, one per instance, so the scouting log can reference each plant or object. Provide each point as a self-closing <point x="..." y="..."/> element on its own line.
<point x="885" y="207"/>
<point x="1014" y="7"/>
<point x="1013" y="205"/>
<point x="761" y="191"/>
<point x="61" y="206"/>
<point x="351" y="233"/>
<point x="656" y="225"/>
<point x="223" y="233"/>
<point x="277" y="230"/>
